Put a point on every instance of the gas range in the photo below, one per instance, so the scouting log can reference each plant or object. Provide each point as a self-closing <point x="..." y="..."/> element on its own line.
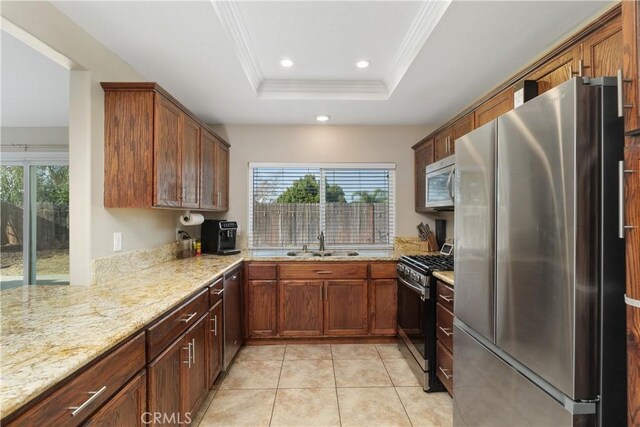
<point x="417" y="268"/>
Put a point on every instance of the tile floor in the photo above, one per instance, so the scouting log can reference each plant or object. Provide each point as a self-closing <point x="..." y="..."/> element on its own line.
<point x="323" y="385"/>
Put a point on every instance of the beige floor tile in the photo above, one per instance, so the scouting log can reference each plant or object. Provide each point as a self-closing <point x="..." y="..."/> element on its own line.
<point x="240" y="408"/>
<point x="400" y="373"/>
<point x="389" y="351"/>
<point x="306" y="407"/>
<point x="377" y="406"/>
<point x="427" y="409"/>
<point x="361" y="373"/>
<point x="354" y="351"/>
<point x="262" y="352"/>
<point x="308" y="351"/>
<point x="307" y="374"/>
<point x="197" y="417"/>
<point x="252" y="374"/>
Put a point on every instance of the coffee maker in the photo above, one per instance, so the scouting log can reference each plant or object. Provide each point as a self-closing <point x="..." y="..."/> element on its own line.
<point x="219" y="237"/>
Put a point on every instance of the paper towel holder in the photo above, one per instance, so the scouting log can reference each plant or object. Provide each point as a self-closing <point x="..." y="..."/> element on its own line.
<point x="188" y="219"/>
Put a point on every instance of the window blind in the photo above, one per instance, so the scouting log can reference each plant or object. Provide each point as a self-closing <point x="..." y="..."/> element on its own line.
<point x="353" y="204"/>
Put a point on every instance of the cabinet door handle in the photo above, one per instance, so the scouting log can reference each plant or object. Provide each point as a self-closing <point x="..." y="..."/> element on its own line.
<point x="321" y="293"/>
<point x="215" y="325"/>
<point x="324" y="272"/>
<point x="326" y="292"/>
<point x="189" y="317"/>
<point x="219" y="198"/>
<point x="447" y="299"/>
<point x="188" y="361"/>
<point x="621" y="104"/>
<point x="94" y="395"/>
<point x="218" y="291"/>
<point x="444" y="372"/>
<point x="446" y="331"/>
<point x="193" y="351"/>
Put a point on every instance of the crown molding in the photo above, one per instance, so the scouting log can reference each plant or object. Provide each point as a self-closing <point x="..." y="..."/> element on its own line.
<point x="324" y="90"/>
<point x="425" y="21"/>
<point x="423" y="24"/>
<point x="231" y="18"/>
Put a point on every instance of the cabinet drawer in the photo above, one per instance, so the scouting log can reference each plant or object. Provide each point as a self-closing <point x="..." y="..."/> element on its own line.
<point x="215" y="292"/>
<point x="167" y="329"/>
<point x="325" y="270"/>
<point x="444" y="324"/>
<point x="75" y="401"/>
<point x="444" y="361"/>
<point x="384" y="270"/>
<point x="445" y="295"/>
<point x="260" y="271"/>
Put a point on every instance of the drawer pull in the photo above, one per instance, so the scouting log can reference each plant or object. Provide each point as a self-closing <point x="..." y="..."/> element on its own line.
<point x="447" y="299"/>
<point x="193" y="351"/>
<point x="218" y="292"/>
<point x="324" y="272"/>
<point x="189" y="317"/>
<point x="444" y="372"/>
<point x="215" y="325"/>
<point x="188" y="361"/>
<point x="446" y="331"/>
<point x="94" y="395"/>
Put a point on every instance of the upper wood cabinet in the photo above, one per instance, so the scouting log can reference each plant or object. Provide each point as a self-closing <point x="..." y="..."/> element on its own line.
<point x="557" y="70"/>
<point x="158" y="154"/>
<point x="424" y="155"/>
<point x="494" y="107"/>
<point x="602" y="51"/>
<point x="630" y="66"/>
<point x="442" y="144"/>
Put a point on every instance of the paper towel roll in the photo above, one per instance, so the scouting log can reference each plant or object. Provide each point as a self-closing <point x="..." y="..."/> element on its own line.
<point x="189" y="218"/>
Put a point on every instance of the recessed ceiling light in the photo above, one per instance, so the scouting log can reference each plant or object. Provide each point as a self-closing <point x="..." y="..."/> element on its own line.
<point x="322" y="117"/>
<point x="362" y="64"/>
<point x="286" y="63"/>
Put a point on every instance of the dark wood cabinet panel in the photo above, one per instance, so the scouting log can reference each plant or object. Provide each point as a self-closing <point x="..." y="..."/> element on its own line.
<point x="128" y="150"/>
<point x="127" y="408"/>
<point x="194" y="372"/>
<point x="444" y="361"/>
<point x="460" y="128"/>
<point x="261" y="271"/>
<point x="494" y="107"/>
<point x="424" y="155"/>
<point x="167" y="153"/>
<point x="97" y="383"/>
<point x="214" y="344"/>
<point x="558" y="70"/>
<point x="602" y="51"/>
<point x="323" y="270"/>
<point x="222" y="177"/>
<point x="383" y="270"/>
<point x="261" y="308"/>
<point x="345" y="307"/>
<point x="300" y="307"/>
<point x="207" y="171"/>
<point x="441" y="144"/>
<point x="444" y="322"/>
<point x="444" y="295"/>
<point x="165" y="380"/>
<point x="630" y="67"/>
<point x="383" y="306"/>
<point x="190" y="164"/>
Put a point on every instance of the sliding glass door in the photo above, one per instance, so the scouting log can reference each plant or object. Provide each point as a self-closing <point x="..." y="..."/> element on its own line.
<point x="35" y="223"/>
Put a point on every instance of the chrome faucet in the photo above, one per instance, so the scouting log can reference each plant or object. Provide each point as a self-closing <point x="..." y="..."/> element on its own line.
<point x="321" y="238"/>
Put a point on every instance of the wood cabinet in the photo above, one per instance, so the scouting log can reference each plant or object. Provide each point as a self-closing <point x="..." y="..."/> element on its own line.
<point x="261" y="306"/>
<point x="72" y="403"/>
<point x="602" y="51"/>
<point x="215" y="343"/>
<point x="300" y="307"/>
<point x="158" y="154"/>
<point x="630" y="67"/>
<point x="194" y="372"/>
<point x="126" y="408"/>
<point x="494" y="107"/>
<point x="424" y="155"/>
<point x="442" y="144"/>
<point x="383" y="306"/>
<point x="444" y="334"/>
<point x="345" y="307"/>
<point x="461" y="127"/>
<point x="557" y="70"/>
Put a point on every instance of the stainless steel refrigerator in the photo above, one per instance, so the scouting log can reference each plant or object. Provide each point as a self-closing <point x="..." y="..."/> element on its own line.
<point x="539" y="334"/>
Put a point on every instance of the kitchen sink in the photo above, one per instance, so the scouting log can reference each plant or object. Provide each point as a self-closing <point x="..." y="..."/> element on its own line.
<point x="309" y="254"/>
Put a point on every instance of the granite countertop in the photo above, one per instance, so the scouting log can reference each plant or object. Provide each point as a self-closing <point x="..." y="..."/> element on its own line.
<point x="281" y="255"/>
<point x="49" y="332"/>
<point x="445" y="276"/>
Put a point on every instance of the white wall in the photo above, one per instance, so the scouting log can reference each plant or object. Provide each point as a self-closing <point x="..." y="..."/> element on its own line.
<point x="140" y="228"/>
<point x="34" y="136"/>
<point x="324" y="144"/>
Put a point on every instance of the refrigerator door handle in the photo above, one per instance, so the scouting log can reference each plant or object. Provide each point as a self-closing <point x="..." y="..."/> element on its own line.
<point x="621" y="225"/>
<point x="450" y="184"/>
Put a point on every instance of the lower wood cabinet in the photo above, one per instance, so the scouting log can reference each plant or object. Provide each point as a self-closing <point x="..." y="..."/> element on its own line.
<point x="262" y="297"/>
<point x="127" y="408"/>
<point x="383" y="306"/>
<point x="300" y="307"/>
<point x="444" y="334"/>
<point x="214" y="343"/>
<point x="177" y="378"/>
<point x="345" y="307"/>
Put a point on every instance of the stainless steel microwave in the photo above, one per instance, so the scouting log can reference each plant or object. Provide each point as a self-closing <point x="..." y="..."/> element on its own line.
<point x="439" y="184"/>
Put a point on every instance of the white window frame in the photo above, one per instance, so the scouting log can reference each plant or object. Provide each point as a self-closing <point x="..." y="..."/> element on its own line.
<point x="391" y="167"/>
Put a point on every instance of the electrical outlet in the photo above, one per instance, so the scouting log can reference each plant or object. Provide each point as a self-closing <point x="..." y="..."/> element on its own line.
<point x="178" y="237"/>
<point x="117" y="242"/>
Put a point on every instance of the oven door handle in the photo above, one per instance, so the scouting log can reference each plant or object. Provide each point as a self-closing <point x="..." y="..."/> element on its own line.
<point x="418" y="289"/>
